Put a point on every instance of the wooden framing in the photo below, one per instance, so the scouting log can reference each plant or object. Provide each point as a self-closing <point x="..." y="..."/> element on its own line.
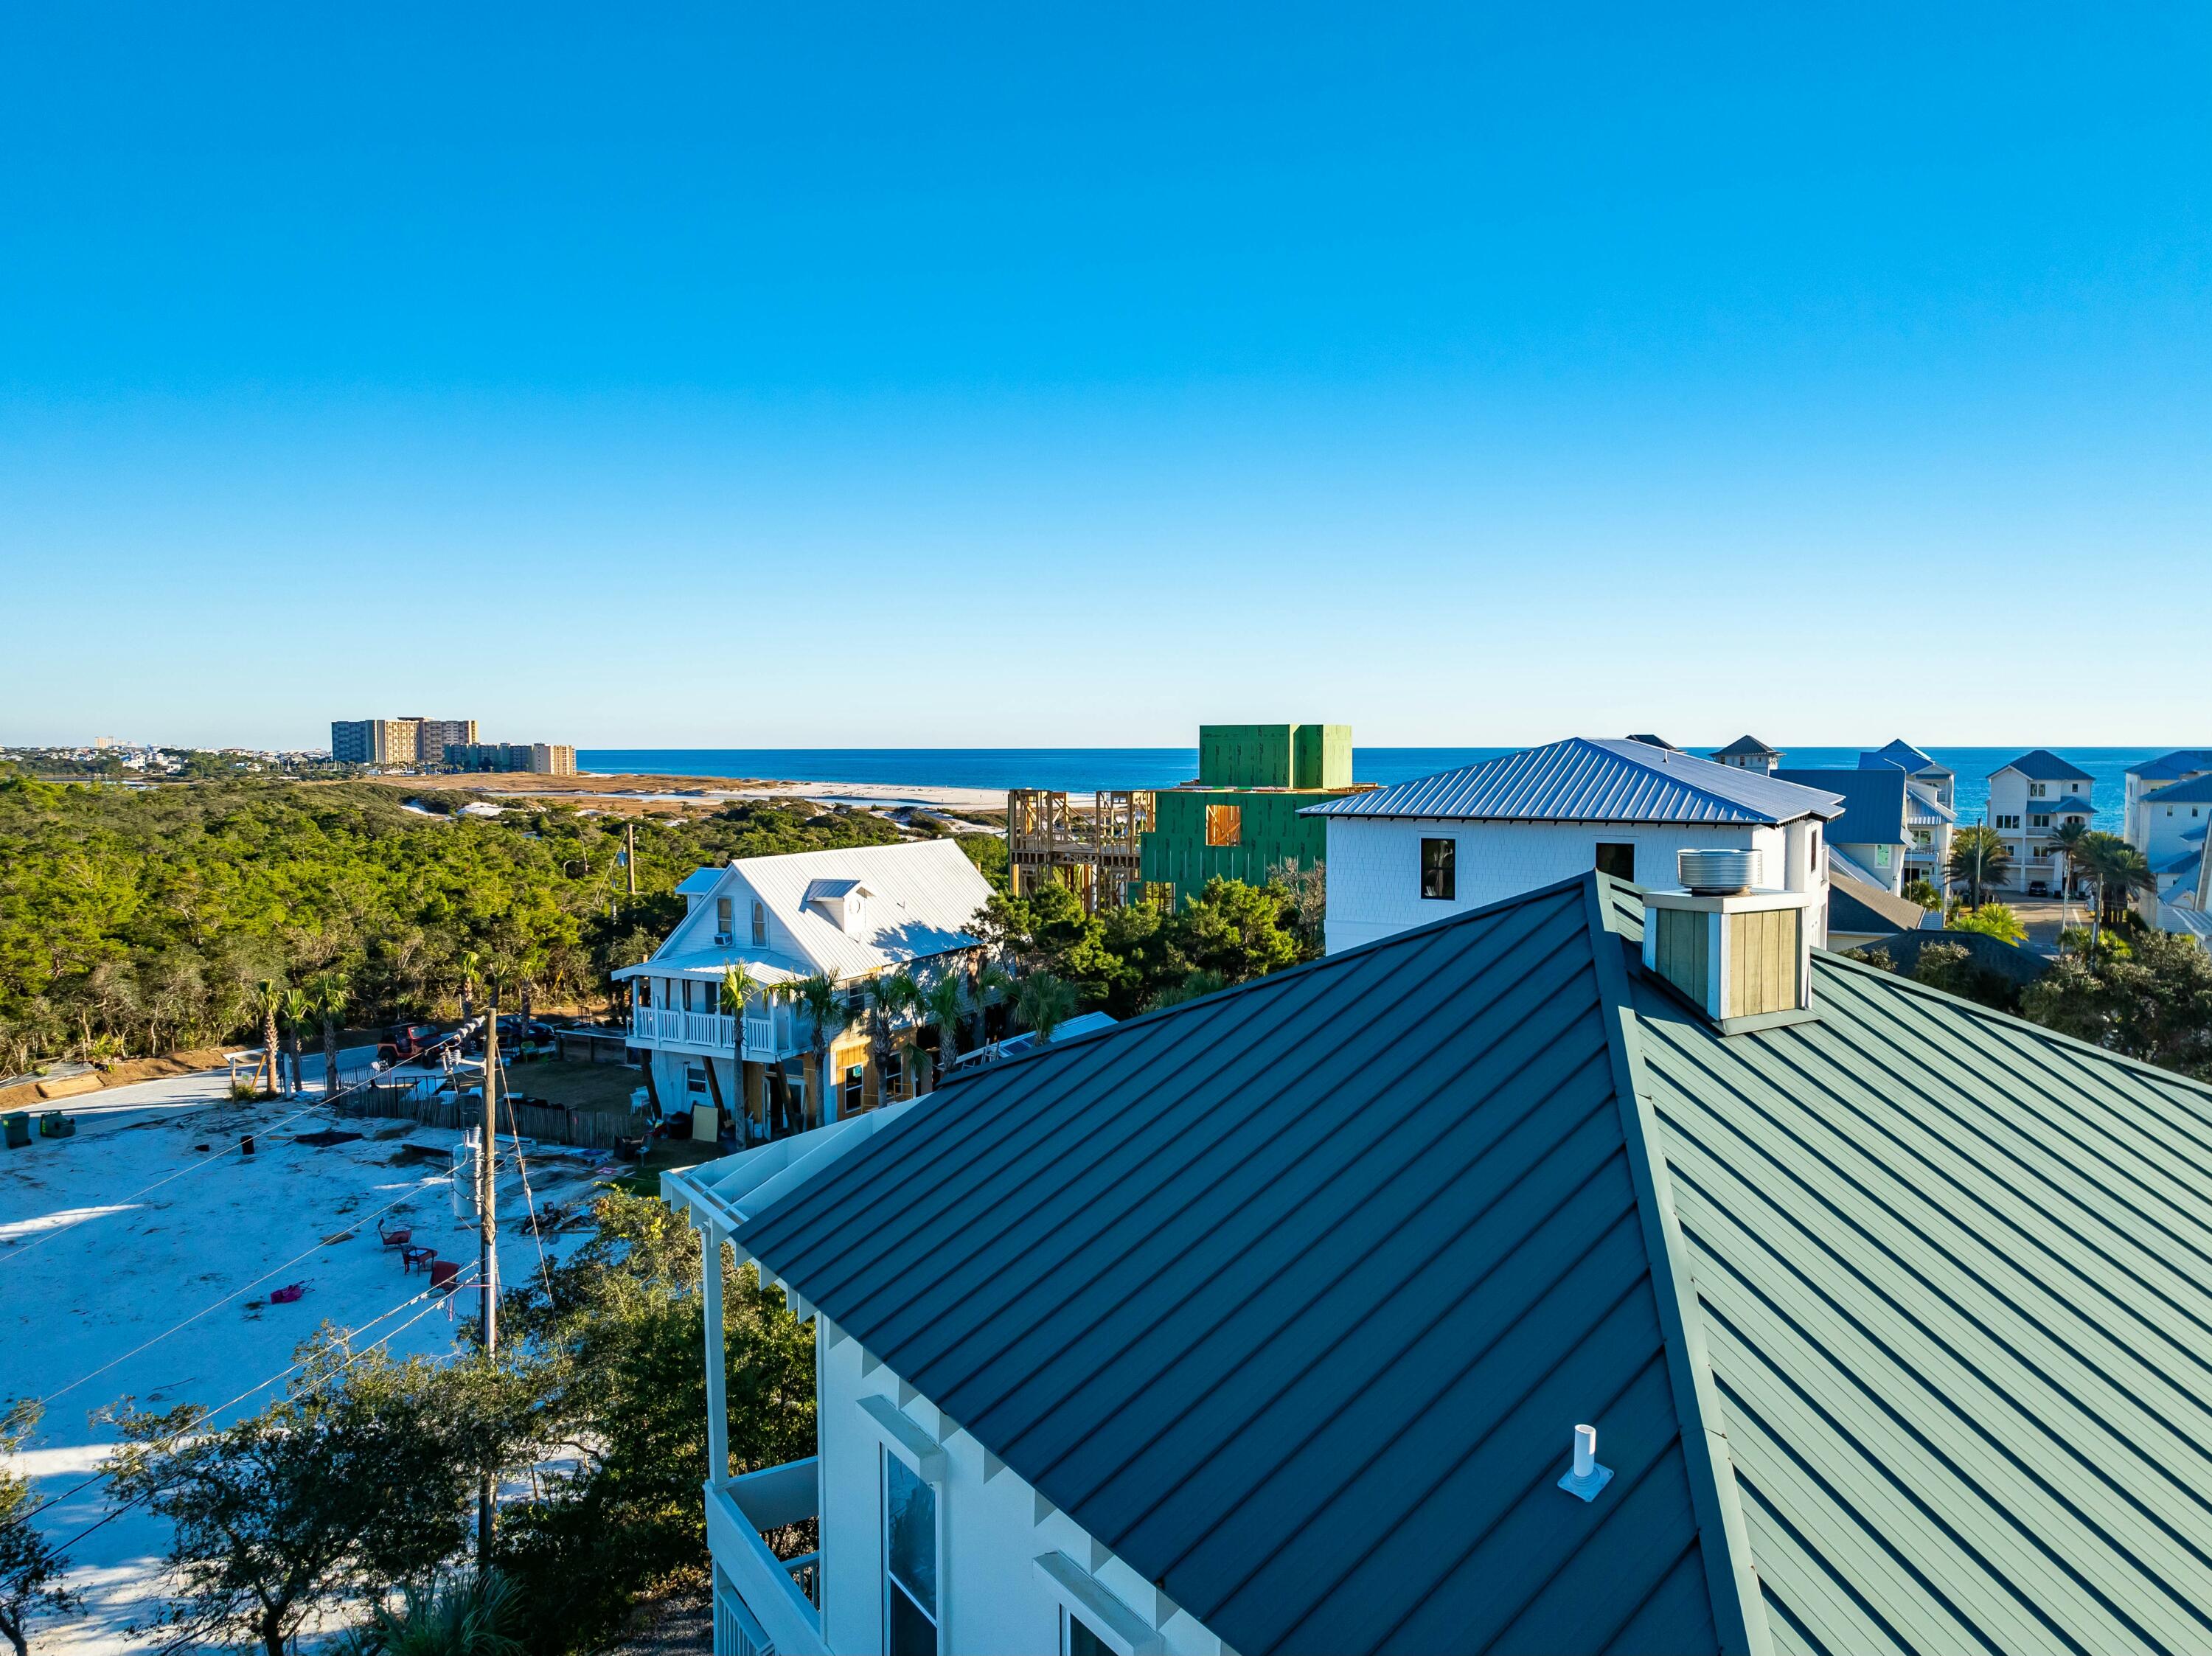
<point x="1096" y="851"/>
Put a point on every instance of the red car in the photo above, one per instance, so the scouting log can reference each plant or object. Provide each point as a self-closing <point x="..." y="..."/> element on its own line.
<point x="406" y="1041"/>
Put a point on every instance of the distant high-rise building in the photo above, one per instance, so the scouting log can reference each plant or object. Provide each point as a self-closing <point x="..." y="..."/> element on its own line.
<point x="545" y="758"/>
<point x="552" y="759"/>
<point x="411" y="740"/>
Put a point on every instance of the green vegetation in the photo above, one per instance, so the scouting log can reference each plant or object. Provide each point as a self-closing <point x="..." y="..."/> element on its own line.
<point x="142" y="920"/>
<point x="1127" y="960"/>
<point x="31" y="1567"/>
<point x="1990" y="919"/>
<point x="356" y="1489"/>
<point x="1924" y="892"/>
<point x="1978" y="860"/>
<point x="2151" y="1001"/>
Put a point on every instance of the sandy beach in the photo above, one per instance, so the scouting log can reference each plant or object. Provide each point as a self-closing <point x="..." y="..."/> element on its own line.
<point x="678" y="792"/>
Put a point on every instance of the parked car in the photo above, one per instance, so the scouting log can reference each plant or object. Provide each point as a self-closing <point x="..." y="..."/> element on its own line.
<point x="2039" y="888"/>
<point x="513" y="1033"/>
<point x="406" y="1042"/>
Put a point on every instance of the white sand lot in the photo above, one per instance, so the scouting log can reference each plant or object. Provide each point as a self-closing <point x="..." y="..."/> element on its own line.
<point x="109" y="1288"/>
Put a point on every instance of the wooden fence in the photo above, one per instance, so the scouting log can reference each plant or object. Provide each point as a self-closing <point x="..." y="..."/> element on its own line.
<point x="413" y="1101"/>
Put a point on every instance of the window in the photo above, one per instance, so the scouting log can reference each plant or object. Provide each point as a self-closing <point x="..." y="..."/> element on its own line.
<point x="909" y="1561"/>
<point x="2035" y="790"/>
<point x="694" y="1077"/>
<point x="1618" y="860"/>
<point x="2042" y="821"/>
<point x="724" y="920"/>
<point x="893" y="1072"/>
<point x="1079" y="1640"/>
<point x="1225" y="825"/>
<point x="760" y="924"/>
<point x="2008" y="821"/>
<point x="1439" y="876"/>
<point x="856" y="1081"/>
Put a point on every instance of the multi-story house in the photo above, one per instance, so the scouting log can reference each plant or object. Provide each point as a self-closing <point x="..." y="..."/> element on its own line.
<point x="1872" y="837"/>
<point x="2166" y="808"/>
<point x="1415" y="852"/>
<point x="2154" y="776"/>
<point x="2030" y="800"/>
<point x="848" y="915"/>
<point x="1748" y="753"/>
<point x="1478" y="1290"/>
<point x="1930" y="808"/>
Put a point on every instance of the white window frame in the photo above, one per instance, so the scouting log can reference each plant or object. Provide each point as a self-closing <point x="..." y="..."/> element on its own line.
<point x="1075" y="1591"/>
<point x="891" y="1586"/>
<point x="899" y="1433"/>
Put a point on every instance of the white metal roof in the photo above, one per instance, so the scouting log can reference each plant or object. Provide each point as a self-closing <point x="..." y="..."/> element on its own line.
<point x="921" y="896"/>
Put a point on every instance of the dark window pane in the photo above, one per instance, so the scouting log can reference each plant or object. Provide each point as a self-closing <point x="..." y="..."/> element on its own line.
<point x="1439" y="876"/>
<point x="911" y="1633"/>
<point x="910" y="1518"/>
<point x="1620" y="861"/>
<point x="1082" y="1642"/>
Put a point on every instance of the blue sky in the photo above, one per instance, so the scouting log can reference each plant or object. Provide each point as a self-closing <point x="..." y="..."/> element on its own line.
<point x="1040" y="374"/>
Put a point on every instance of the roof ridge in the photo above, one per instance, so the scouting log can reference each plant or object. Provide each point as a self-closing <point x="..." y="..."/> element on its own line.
<point x="1739" y="1604"/>
<point x="2027" y="1027"/>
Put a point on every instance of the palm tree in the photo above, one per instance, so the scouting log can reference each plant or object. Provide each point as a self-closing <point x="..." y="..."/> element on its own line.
<point x="2117" y="869"/>
<point x="1044" y="1003"/>
<point x="945" y="1003"/>
<point x="266" y="1002"/>
<point x="1978" y="859"/>
<point x="296" y="1014"/>
<point x="326" y="999"/>
<point x="890" y="995"/>
<point x="471" y="966"/>
<point x="828" y="1016"/>
<point x="738" y="986"/>
<point x="992" y="985"/>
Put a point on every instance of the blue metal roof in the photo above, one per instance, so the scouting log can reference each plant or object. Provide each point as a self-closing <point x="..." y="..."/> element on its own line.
<point x="1747" y="747"/>
<point x="2194" y="791"/>
<point x="1583" y="780"/>
<point x="2182" y="762"/>
<point x="1874" y="803"/>
<point x="1904" y="756"/>
<point x="1895" y="1325"/>
<point x="2041" y="765"/>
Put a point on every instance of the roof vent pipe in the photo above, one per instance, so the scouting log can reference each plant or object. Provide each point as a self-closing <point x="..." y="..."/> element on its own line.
<point x="1586" y="1477"/>
<point x="1718" y="873"/>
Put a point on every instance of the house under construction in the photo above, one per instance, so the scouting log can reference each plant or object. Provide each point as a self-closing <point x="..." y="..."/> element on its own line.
<point x="1094" y="852"/>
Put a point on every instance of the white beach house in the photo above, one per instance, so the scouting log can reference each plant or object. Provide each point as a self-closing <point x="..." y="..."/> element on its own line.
<point x="2030" y="800"/>
<point x="1415" y="852"/>
<point x="846" y="914"/>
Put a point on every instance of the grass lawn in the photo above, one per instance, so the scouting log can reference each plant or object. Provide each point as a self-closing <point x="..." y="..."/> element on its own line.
<point x="602" y="1088"/>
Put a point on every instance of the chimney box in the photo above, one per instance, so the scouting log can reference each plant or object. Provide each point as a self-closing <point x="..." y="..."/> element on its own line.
<point x="1740" y="955"/>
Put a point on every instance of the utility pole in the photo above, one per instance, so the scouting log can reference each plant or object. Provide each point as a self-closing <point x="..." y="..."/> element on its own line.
<point x="629" y="855"/>
<point x="488" y="1248"/>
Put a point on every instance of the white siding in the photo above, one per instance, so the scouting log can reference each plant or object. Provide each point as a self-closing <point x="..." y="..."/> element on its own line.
<point x="990" y="1595"/>
<point x="1375" y="863"/>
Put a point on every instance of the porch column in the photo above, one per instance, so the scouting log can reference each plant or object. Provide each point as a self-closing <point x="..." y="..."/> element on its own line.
<point x="718" y="1412"/>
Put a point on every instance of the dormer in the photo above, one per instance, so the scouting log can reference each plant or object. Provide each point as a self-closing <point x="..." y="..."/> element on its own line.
<point x="843" y="903"/>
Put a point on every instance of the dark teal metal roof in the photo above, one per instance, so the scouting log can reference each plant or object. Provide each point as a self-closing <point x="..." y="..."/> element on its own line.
<point x="1893" y="1324"/>
<point x="1873" y="802"/>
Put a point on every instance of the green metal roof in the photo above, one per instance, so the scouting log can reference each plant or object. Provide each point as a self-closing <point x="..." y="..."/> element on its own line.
<point x="1893" y="1324"/>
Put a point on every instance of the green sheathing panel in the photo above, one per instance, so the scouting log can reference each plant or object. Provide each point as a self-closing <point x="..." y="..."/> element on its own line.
<point x="1272" y="831"/>
<point x="1293" y="1294"/>
<point x="1953" y="1276"/>
<point x="1321" y="757"/>
<point x="1245" y="755"/>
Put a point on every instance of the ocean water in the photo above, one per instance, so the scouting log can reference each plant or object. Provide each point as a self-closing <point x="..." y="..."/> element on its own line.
<point x="1082" y="769"/>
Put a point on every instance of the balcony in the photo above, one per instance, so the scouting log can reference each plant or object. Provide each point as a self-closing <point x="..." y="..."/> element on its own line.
<point x="671" y="1028"/>
<point x="779" y="1607"/>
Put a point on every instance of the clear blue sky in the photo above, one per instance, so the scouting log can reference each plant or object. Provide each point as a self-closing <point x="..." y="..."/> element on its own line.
<point x="1050" y="372"/>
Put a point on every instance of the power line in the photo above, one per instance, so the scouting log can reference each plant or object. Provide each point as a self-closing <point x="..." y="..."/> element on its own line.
<point x="137" y="1501"/>
<point x="263" y="1384"/>
<point x="320" y="1106"/>
<point x="234" y="1293"/>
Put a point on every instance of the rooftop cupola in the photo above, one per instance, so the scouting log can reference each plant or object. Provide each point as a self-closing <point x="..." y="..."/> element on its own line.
<point x="1748" y="753"/>
<point x="1739" y="952"/>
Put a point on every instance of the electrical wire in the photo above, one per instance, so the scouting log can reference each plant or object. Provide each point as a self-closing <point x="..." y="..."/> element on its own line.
<point x="137" y="1501"/>
<point x="522" y="1165"/>
<point x="234" y="1293"/>
<point x="260" y="1386"/>
<point x="319" y="1107"/>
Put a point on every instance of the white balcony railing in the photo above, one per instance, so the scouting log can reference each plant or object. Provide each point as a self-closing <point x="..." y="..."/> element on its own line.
<point x="738" y="1513"/>
<point x="672" y="1027"/>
